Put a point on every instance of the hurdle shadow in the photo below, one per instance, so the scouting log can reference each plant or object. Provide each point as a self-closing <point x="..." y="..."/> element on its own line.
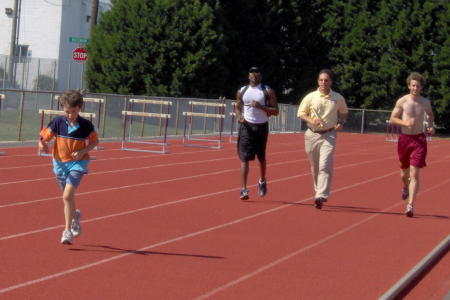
<point x="366" y="210"/>
<point x="110" y="249"/>
<point x="351" y="209"/>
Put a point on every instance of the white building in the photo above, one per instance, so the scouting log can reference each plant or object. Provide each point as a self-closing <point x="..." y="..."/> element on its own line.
<point x="47" y="33"/>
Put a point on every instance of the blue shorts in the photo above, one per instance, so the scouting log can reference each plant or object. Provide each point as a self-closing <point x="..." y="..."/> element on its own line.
<point x="73" y="178"/>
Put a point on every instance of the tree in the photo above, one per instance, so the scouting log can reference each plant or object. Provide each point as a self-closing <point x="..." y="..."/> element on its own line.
<point x="376" y="44"/>
<point x="153" y="47"/>
<point x="281" y="37"/>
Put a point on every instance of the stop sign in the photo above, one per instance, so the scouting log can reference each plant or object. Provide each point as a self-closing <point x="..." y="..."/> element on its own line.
<point x="79" y="54"/>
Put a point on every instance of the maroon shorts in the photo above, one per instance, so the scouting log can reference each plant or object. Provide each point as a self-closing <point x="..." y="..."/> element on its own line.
<point x="412" y="150"/>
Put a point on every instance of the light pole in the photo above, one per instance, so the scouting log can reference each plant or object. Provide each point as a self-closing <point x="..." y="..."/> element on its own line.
<point x="13" y="43"/>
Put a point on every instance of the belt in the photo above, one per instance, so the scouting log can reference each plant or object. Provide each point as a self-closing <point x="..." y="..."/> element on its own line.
<point x="322" y="131"/>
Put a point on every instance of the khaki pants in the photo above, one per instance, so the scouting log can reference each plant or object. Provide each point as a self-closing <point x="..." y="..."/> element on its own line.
<point x="320" y="150"/>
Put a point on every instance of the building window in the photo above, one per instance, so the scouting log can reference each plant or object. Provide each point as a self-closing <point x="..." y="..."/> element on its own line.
<point x="21" y="52"/>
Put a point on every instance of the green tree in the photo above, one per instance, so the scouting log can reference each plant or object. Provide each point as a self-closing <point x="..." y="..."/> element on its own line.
<point x="153" y="47"/>
<point x="281" y="37"/>
<point x="376" y="44"/>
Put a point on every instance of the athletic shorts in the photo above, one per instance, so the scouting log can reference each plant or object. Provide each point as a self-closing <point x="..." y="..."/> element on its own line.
<point x="252" y="141"/>
<point x="73" y="178"/>
<point x="412" y="150"/>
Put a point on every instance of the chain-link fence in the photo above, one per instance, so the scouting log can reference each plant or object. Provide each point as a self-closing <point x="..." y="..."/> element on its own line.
<point x="20" y="119"/>
<point x="41" y="74"/>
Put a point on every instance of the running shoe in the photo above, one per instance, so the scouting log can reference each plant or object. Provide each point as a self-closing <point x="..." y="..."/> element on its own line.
<point x="405" y="193"/>
<point x="319" y="202"/>
<point x="262" y="188"/>
<point x="244" y="194"/>
<point x="75" y="226"/>
<point x="67" y="237"/>
<point x="409" y="211"/>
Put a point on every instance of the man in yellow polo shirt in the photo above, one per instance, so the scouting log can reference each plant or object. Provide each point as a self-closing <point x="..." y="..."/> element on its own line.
<point x="324" y="111"/>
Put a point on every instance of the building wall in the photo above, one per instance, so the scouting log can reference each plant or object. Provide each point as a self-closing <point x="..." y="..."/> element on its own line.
<point x="46" y="26"/>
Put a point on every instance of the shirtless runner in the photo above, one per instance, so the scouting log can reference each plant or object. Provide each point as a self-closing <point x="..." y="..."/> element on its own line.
<point x="409" y="112"/>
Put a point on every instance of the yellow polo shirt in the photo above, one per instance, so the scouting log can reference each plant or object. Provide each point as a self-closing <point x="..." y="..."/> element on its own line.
<point x="324" y="107"/>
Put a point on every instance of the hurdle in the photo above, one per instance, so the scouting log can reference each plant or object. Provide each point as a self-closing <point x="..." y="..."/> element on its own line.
<point x="218" y="116"/>
<point x="100" y="102"/>
<point x="143" y="114"/>
<point x="232" y="139"/>
<point x="425" y="130"/>
<point x="392" y="132"/>
<point x="2" y="96"/>
<point x="51" y="112"/>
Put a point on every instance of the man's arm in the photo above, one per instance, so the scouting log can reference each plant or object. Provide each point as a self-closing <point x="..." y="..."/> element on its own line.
<point x="238" y="107"/>
<point x="396" y="115"/>
<point x="304" y="110"/>
<point x="272" y="109"/>
<point x="430" y="118"/>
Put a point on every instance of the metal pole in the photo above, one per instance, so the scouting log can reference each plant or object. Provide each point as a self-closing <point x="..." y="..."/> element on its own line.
<point x="20" y="120"/>
<point x="12" y="45"/>
<point x="54" y="76"/>
<point x="81" y="76"/>
<point x="68" y="76"/>
<point x="94" y="13"/>
<point x="363" y="120"/>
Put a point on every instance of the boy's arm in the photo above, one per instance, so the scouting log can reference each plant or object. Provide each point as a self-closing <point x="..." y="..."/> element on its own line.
<point x="43" y="145"/>
<point x="45" y="136"/>
<point x="77" y="155"/>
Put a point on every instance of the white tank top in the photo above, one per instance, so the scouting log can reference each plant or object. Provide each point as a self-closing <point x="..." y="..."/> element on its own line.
<point x="251" y="114"/>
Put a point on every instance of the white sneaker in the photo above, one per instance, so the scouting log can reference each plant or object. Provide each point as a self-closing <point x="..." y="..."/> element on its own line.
<point x="409" y="211"/>
<point x="75" y="226"/>
<point x="66" y="238"/>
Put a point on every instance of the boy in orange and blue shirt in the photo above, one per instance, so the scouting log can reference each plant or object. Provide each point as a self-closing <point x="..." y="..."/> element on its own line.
<point x="74" y="138"/>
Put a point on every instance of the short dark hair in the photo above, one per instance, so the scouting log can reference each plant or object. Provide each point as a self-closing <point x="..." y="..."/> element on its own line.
<point x="254" y="70"/>
<point x="416" y="76"/>
<point x="328" y="72"/>
<point x="71" y="98"/>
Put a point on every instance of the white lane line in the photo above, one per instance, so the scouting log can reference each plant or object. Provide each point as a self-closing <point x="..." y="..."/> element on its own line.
<point x="165" y="203"/>
<point x="139" y="168"/>
<point x="193" y="234"/>
<point x="306" y="248"/>
<point x="189" y="235"/>
<point x="167" y="180"/>
<point x="142" y="156"/>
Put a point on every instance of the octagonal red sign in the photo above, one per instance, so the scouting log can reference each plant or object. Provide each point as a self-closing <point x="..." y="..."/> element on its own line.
<point x="80" y="54"/>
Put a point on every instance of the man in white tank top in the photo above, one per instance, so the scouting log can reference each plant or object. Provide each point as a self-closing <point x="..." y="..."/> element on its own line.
<point x="255" y="103"/>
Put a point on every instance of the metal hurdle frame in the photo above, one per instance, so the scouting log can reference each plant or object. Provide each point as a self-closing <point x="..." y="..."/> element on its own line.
<point x="189" y="114"/>
<point x="143" y="114"/>
<point x="392" y="132"/>
<point x="232" y="123"/>
<point x="2" y="96"/>
<point x="52" y="112"/>
<point x="100" y="102"/>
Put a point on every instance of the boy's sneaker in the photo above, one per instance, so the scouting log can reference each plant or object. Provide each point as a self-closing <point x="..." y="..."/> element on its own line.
<point x="409" y="211"/>
<point x="66" y="238"/>
<point x="75" y="226"/>
<point x="405" y="193"/>
<point x="262" y="188"/>
<point x="244" y="194"/>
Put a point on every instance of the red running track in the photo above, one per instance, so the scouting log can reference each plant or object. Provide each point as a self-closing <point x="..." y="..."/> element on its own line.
<point x="172" y="226"/>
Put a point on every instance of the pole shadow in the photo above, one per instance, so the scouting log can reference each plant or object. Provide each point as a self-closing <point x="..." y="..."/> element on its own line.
<point x="110" y="249"/>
